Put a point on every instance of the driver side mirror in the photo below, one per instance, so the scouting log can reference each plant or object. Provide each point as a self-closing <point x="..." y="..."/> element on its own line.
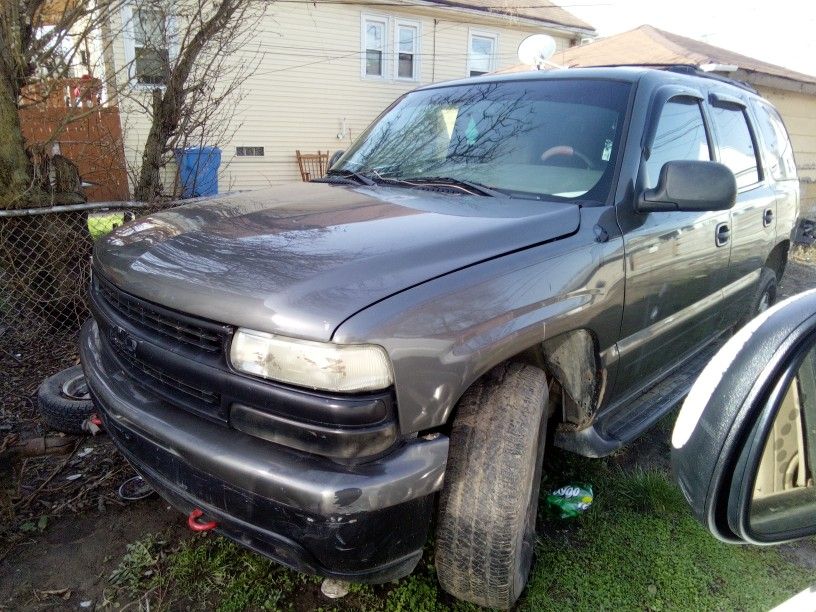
<point x="690" y="186"/>
<point x="744" y="444"/>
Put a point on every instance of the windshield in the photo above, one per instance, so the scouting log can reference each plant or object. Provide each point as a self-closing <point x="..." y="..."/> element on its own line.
<point x="542" y="137"/>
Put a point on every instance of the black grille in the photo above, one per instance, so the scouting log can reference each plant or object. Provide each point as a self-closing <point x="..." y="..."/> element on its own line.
<point x="202" y="335"/>
<point x="170" y="387"/>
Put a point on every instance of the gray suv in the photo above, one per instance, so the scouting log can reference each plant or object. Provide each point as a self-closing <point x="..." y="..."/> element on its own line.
<point x="498" y="264"/>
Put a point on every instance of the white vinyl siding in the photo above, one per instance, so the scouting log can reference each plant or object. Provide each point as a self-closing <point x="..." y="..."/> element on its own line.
<point x="310" y="91"/>
<point x="481" y="53"/>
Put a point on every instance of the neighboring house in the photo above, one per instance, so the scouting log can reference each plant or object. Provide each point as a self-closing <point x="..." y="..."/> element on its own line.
<point x="793" y="93"/>
<point x="331" y="67"/>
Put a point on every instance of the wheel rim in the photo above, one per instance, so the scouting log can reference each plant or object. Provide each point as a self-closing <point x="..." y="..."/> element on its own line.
<point x="76" y="388"/>
<point x="765" y="302"/>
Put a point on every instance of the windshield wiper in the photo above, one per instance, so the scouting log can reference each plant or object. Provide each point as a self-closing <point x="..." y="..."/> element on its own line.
<point x="462" y="184"/>
<point x="359" y="176"/>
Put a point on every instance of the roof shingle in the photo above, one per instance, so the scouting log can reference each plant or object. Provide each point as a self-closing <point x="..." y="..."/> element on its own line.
<point x="537" y="10"/>
<point x="647" y="45"/>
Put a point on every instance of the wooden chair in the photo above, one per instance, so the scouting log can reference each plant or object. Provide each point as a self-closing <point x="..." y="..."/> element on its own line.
<point x="312" y="165"/>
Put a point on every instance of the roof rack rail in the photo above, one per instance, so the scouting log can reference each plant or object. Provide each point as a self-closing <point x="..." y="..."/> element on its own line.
<point x="689" y="69"/>
<point x="695" y="71"/>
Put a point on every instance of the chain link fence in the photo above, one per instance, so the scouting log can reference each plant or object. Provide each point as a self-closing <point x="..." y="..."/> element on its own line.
<point x="45" y="262"/>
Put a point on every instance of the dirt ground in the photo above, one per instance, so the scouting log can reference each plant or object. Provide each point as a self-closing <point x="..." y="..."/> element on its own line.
<point x="65" y="562"/>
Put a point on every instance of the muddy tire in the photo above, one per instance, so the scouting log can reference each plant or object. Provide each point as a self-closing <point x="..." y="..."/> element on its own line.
<point x="765" y="295"/>
<point x="64" y="402"/>
<point x="487" y="513"/>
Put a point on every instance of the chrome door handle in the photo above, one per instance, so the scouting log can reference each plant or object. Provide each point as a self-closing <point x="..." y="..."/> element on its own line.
<point x="722" y="234"/>
<point x="767" y="217"/>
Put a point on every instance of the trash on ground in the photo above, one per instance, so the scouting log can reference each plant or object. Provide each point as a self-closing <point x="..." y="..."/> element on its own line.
<point x="92" y="425"/>
<point x="73" y="477"/>
<point x="334" y="589"/>
<point x="570" y="501"/>
<point x="134" y="489"/>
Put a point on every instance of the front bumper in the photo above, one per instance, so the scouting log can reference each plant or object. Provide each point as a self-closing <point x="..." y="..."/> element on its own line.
<point x="364" y="522"/>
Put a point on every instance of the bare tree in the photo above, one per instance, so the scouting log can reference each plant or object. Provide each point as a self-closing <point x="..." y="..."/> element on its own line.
<point x="40" y="42"/>
<point x="194" y="56"/>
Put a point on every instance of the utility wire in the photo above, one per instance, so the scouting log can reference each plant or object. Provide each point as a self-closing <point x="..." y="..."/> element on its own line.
<point x="350" y="54"/>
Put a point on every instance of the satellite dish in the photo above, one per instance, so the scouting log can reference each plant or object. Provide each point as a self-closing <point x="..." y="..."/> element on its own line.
<point x="536" y="49"/>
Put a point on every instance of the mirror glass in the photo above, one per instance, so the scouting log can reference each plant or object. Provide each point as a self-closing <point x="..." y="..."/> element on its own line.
<point x="784" y="494"/>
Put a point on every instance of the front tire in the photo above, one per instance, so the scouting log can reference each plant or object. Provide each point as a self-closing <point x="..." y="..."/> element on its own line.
<point x="765" y="295"/>
<point x="488" y="506"/>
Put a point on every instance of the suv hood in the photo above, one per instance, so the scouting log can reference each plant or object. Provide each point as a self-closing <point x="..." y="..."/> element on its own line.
<point x="300" y="259"/>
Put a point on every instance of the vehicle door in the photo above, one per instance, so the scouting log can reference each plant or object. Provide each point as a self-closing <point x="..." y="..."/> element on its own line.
<point x="676" y="262"/>
<point x="753" y="222"/>
<point x="778" y="164"/>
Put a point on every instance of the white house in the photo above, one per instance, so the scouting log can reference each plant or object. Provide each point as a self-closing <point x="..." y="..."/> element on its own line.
<point x="331" y="66"/>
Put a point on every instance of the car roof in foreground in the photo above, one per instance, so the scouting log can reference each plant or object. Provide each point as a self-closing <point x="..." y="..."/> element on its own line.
<point x="628" y="73"/>
<point x="618" y="73"/>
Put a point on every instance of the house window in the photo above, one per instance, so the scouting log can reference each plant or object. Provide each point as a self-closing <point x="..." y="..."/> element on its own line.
<point x="374" y="47"/>
<point x="151" y="51"/>
<point x="407" y="41"/>
<point x="249" y="151"/>
<point x="481" y="53"/>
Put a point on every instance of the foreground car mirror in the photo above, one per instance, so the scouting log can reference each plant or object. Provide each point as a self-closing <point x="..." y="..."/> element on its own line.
<point x="744" y="444"/>
<point x="690" y="186"/>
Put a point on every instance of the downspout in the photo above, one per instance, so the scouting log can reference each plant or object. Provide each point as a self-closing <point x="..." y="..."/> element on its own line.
<point x="433" y="53"/>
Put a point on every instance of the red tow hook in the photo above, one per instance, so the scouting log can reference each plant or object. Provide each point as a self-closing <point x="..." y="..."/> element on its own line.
<point x="192" y="521"/>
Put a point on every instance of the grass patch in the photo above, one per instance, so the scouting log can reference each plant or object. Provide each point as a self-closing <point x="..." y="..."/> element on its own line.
<point x="638" y="547"/>
<point x="201" y="573"/>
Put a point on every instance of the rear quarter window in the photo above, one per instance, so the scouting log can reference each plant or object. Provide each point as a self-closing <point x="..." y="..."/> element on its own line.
<point x="735" y="144"/>
<point x="775" y="142"/>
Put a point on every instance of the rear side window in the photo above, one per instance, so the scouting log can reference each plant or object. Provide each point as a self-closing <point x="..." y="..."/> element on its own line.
<point x="736" y="146"/>
<point x="778" y="148"/>
<point x="680" y="135"/>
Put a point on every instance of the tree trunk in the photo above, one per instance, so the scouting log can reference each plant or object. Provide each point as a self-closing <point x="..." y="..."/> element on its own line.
<point x="15" y="169"/>
<point x="149" y="186"/>
<point x="168" y="105"/>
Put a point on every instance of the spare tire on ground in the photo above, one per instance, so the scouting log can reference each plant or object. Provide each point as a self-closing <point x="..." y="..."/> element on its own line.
<point x="64" y="401"/>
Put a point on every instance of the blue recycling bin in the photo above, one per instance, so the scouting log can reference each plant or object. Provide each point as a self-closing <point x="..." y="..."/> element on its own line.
<point x="198" y="171"/>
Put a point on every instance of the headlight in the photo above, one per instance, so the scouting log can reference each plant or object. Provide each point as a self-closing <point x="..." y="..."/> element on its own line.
<point x="318" y="365"/>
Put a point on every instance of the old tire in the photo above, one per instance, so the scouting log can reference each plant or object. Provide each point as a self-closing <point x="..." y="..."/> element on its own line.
<point x="487" y="513"/>
<point x="64" y="401"/>
<point x="764" y="296"/>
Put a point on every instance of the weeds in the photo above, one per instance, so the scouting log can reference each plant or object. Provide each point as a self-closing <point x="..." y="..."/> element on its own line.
<point x="638" y="547"/>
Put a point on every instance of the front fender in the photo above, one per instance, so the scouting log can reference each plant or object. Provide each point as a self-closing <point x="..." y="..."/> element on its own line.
<point x="443" y="334"/>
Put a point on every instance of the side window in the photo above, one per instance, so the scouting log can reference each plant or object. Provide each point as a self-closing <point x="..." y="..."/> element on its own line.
<point x="777" y="145"/>
<point x="680" y="135"/>
<point x="736" y="147"/>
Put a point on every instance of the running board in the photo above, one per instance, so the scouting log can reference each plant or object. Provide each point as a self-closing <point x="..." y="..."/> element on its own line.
<point x="622" y="425"/>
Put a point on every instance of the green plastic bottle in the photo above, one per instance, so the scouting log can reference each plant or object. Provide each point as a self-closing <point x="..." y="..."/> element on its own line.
<point x="570" y="501"/>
